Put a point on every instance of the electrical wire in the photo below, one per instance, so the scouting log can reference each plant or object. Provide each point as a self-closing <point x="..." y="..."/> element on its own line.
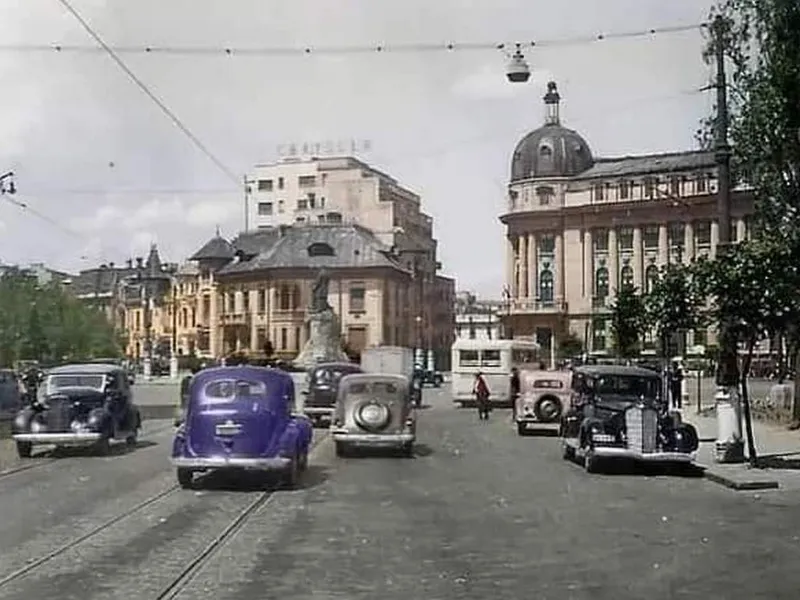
<point x="279" y="51"/>
<point x="141" y="85"/>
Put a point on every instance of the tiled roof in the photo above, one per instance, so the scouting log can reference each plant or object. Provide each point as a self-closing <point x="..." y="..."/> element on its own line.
<point x="252" y="243"/>
<point x="99" y="280"/>
<point x="649" y="164"/>
<point x="352" y="245"/>
<point x="215" y="248"/>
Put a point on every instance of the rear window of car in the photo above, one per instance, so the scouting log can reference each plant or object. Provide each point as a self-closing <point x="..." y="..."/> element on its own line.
<point x="548" y="384"/>
<point x="221" y="391"/>
<point x="376" y="387"/>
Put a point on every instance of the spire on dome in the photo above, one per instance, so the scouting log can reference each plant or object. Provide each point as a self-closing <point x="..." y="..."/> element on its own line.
<point x="552" y="100"/>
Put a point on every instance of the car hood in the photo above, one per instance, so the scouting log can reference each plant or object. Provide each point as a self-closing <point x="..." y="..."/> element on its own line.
<point x="616" y="402"/>
<point x="82" y="395"/>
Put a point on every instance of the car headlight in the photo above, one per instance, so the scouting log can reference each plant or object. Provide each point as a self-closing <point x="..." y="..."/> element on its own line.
<point x="36" y="426"/>
<point x="20" y="421"/>
<point x="528" y="408"/>
<point x="95" y="418"/>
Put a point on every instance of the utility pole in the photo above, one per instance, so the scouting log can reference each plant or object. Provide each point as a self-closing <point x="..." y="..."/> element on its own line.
<point x="173" y="359"/>
<point x="730" y="445"/>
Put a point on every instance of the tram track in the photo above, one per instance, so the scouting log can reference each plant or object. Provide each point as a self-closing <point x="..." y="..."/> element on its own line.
<point x="190" y="570"/>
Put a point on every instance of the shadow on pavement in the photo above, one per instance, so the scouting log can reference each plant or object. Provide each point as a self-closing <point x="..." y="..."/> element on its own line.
<point x="779" y="461"/>
<point x="219" y="481"/>
<point x="638" y="469"/>
<point x="540" y="432"/>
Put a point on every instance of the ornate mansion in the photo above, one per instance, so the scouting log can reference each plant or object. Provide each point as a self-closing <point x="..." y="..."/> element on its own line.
<point x="578" y="227"/>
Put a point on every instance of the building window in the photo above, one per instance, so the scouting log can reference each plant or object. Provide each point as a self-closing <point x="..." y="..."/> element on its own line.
<point x="297" y="339"/>
<point x="649" y="187"/>
<point x="676" y="235"/>
<point x="600" y="239"/>
<point x="265" y="185"/>
<point x="545" y="195"/>
<point x="246" y="301"/>
<point x="284" y="338"/>
<point x="626" y="277"/>
<point x="264" y="208"/>
<point x="357" y="298"/>
<point x="312" y="200"/>
<point x="624" y="190"/>
<point x="231" y="302"/>
<point x="288" y="297"/>
<point x="334" y="217"/>
<point x="701" y="337"/>
<point x="702" y="233"/>
<point x="625" y="238"/>
<point x="601" y="283"/>
<point x="599" y="188"/>
<point x="262" y="301"/>
<point x="280" y="183"/>
<point x="305" y="181"/>
<point x="650" y="237"/>
<point x="546" y="286"/>
<point x="702" y="183"/>
<point x="302" y="204"/>
<point x="675" y="186"/>
<point x="547" y="244"/>
<point x="471" y="331"/>
<point x="599" y="334"/>
<point x="651" y="277"/>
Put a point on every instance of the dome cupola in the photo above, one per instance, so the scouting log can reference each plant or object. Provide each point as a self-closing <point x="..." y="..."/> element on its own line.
<point x="552" y="150"/>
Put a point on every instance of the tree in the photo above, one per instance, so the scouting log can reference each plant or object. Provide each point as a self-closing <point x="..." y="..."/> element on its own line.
<point x="628" y="322"/>
<point x="735" y="284"/>
<point x="46" y="324"/>
<point x="570" y="345"/>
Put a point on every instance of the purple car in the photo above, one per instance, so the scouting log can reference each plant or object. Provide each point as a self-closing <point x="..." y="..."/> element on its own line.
<point x="240" y="418"/>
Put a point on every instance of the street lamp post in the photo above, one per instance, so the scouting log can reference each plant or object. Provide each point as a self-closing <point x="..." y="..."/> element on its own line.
<point x="730" y="444"/>
<point x="173" y="354"/>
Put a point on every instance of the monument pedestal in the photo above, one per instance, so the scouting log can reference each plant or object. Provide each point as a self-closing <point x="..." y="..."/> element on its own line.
<point x="324" y="342"/>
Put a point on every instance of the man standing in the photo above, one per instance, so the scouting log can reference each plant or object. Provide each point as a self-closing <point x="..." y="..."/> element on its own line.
<point x="514" y="390"/>
<point x="481" y="391"/>
<point x="676" y="385"/>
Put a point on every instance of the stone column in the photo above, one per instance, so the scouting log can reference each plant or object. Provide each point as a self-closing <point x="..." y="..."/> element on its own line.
<point x="638" y="259"/>
<point x="253" y="312"/>
<point x="559" y="267"/>
<point x="522" y="273"/>
<point x="533" y="266"/>
<point x="613" y="263"/>
<point x="510" y="264"/>
<point x="741" y="230"/>
<point x="688" y="242"/>
<point x="213" y="321"/>
<point x="588" y="265"/>
<point x="663" y="245"/>
<point x="714" y="239"/>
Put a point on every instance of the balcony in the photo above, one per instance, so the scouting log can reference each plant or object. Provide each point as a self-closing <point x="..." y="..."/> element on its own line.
<point x="519" y="306"/>
<point x="234" y="318"/>
<point x="289" y="315"/>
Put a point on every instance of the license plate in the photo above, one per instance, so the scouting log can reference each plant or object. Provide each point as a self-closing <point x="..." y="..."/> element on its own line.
<point x="227" y="429"/>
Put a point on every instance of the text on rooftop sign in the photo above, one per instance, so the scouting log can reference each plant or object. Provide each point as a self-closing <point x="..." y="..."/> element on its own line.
<point x="325" y="148"/>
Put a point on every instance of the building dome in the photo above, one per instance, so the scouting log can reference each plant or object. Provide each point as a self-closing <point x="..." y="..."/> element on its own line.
<point x="552" y="150"/>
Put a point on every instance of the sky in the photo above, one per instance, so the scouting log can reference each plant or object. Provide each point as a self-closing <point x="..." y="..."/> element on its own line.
<point x="102" y="173"/>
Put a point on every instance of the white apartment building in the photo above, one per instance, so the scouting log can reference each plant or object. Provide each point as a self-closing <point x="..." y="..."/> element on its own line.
<point x="477" y="319"/>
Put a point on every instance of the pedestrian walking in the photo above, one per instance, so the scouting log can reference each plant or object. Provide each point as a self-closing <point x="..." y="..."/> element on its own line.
<point x="676" y="385"/>
<point x="514" y="391"/>
<point x="481" y="391"/>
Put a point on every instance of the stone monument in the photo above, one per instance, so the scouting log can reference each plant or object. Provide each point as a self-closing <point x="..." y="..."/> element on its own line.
<point x="324" y="341"/>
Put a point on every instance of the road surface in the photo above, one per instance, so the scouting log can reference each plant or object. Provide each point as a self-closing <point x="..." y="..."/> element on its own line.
<point x="479" y="513"/>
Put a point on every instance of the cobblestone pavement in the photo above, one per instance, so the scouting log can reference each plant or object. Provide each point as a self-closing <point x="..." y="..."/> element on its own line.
<point x="479" y="513"/>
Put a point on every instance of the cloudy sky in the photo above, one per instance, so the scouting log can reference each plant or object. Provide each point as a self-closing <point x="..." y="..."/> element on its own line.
<point x="103" y="173"/>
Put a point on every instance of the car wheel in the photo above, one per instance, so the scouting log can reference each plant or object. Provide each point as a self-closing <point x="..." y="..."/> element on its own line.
<point x="407" y="451"/>
<point x="103" y="446"/>
<point x="372" y="416"/>
<point x="303" y="461"/>
<point x="590" y="460"/>
<point x="185" y="478"/>
<point x="567" y="452"/>
<point x="522" y="429"/>
<point x="548" y="409"/>
<point x="133" y="438"/>
<point x="292" y="474"/>
<point x="24" y="449"/>
<point x="341" y="449"/>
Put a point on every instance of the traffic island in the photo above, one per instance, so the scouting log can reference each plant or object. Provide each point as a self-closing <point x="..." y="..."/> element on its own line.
<point x="740" y="477"/>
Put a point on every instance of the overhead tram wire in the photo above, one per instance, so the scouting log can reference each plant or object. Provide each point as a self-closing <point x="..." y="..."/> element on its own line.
<point x="141" y="85"/>
<point x="288" y="51"/>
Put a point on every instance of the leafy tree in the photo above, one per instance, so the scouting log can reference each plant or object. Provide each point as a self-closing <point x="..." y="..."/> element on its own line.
<point x="735" y="283"/>
<point x="628" y="321"/>
<point x="45" y="323"/>
<point x="570" y="345"/>
<point x="675" y="304"/>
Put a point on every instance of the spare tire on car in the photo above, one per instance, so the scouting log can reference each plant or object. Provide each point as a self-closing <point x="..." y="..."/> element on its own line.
<point x="548" y="409"/>
<point x="372" y="416"/>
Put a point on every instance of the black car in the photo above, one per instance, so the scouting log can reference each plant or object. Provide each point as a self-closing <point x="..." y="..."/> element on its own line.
<point x="79" y="405"/>
<point x="618" y="412"/>
<point x="434" y="378"/>
<point x="323" y="385"/>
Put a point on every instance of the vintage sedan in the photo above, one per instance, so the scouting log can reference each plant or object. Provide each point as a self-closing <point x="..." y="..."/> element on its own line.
<point x="241" y="418"/>
<point x="617" y="412"/>
<point x="79" y="404"/>
<point x="543" y="398"/>
<point x="323" y="385"/>
<point x="374" y="411"/>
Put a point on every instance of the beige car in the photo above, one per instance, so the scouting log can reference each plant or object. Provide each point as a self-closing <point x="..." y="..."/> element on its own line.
<point x="374" y="411"/>
<point x="543" y="398"/>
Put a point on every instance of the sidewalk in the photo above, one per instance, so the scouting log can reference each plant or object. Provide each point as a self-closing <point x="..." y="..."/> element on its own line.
<point x="775" y="444"/>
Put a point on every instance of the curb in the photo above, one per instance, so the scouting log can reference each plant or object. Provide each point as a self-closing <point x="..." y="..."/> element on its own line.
<point x="738" y="483"/>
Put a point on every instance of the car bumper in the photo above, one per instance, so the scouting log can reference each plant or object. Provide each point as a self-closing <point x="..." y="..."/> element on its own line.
<point x="229" y="462"/>
<point x="678" y="457"/>
<point x="58" y="438"/>
<point x="373" y="439"/>
<point x="318" y="411"/>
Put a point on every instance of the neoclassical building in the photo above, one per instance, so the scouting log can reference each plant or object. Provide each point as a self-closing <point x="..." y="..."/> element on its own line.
<point x="578" y="227"/>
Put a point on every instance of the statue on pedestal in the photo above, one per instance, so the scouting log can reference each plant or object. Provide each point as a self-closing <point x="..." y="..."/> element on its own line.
<point x="324" y="341"/>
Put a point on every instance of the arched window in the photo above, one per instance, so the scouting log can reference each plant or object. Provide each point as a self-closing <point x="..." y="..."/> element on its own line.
<point x="651" y="277"/>
<point x="320" y="249"/>
<point x="601" y="283"/>
<point x="545" y="158"/>
<point x="546" y="286"/>
<point x="288" y="297"/>
<point x="626" y="277"/>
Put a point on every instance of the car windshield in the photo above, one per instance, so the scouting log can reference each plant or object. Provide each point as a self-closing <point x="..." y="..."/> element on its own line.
<point x="77" y="380"/>
<point x="223" y="391"/>
<point x="327" y="376"/>
<point x="628" y="385"/>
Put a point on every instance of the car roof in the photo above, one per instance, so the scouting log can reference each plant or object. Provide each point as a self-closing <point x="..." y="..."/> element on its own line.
<point x="600" y="370"/>
<point x="336" y="365"/>
<point x="367" y="377"/>
<point x="87" y="368"/>
<point x="242" y="371"/>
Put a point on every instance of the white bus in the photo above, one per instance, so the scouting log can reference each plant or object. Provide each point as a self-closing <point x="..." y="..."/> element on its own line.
<point x="493" y="358"/>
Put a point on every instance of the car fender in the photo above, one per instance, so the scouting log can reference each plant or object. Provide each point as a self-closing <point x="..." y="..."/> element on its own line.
<point x="295" y="437"/>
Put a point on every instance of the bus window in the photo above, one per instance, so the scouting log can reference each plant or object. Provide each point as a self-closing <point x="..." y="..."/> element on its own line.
<point x="521" y="357"/>
<point x="490" y="358"/>
<point x="468" y="358"/>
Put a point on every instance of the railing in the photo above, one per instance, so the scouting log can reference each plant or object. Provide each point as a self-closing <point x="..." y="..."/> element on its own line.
<point x="527" y="305"/>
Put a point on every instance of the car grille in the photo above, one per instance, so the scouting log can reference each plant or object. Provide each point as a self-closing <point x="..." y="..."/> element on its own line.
<point x="641" y="425"/>
<point x="58" y="415"/>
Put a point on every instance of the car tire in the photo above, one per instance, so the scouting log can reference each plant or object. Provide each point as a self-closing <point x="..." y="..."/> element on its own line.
<point x="548" y="409"/>
<point x="103" y="446"/>
<point x="567" y="452"/>
<point x="590" y="461"/>
<point x="522" y="429"/>
<point x="303" y="464"/>
<point x="341" y="450"/>
<point x="24" y="449"/>
<point x="291" y="477"/>
<point x="185" y="478"/>
<point x="407" y="451"/>
<point x="374" y="426"/>
<point x="133" y="438"/>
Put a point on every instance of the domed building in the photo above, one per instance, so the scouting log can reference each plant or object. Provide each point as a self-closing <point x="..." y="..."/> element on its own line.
<point x="578" y="227"/>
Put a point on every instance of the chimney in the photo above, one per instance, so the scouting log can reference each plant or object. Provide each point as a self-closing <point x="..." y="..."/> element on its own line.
<point x="111" y="265"/>
<point x="282" y="229"/>
<point x="139" y="262"/>
<point x="129" y="263"/>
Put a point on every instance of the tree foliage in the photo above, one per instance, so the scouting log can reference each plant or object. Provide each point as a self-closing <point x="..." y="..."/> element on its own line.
<point x="676" y="303"/>
<point x="628" y="322"/>
<point x="45" y="323"/>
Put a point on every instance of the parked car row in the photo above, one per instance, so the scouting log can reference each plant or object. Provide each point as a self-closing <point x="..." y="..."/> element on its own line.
<point x="605" y="413"/>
